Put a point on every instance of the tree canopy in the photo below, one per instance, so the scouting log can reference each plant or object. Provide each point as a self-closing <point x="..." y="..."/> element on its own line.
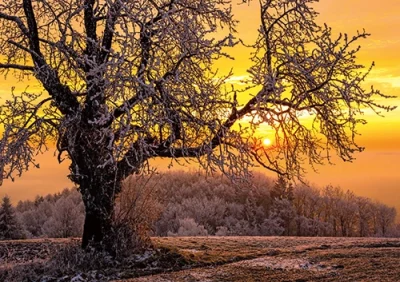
<point x="126" y="81"/>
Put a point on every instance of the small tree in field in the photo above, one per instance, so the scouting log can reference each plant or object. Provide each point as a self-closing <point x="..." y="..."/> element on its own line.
<point x="126" y="81"/>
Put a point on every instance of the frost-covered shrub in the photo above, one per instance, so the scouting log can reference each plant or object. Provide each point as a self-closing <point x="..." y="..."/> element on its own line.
<point x="137" y="208"/>
<point x="169" y="220"/>
<point x="272" y="227"/>
<point x="189" y="227"/>
<point x="222" y="231"/>
<point x="243" y="228"/>
<point x="312" y="227"/>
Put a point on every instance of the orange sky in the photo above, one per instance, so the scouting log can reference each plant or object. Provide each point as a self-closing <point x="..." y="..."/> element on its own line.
<point x="375" y="173"/>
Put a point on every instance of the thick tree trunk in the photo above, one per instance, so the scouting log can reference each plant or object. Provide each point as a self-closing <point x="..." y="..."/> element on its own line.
<point x="97" y="226"/>
<point x="99" y="181"/>
<point x="99" y="206"/>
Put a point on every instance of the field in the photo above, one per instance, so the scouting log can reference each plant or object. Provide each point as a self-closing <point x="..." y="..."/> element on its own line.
<point x="287" y="259"/>
<point x="240" y="259"/>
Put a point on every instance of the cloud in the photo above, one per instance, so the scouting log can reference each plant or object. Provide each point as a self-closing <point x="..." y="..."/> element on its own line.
<point x="239" y="80"/>
<point x="393" y="81"/>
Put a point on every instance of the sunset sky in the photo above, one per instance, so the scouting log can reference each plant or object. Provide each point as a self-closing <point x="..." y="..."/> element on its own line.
<point x="375" y="173"/>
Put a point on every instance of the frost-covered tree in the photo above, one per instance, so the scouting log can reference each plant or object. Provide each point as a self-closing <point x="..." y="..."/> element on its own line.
<point x="66" y="219"/>
<point x="385" y="218"/>
<point x="284" y="210"/>
<point x="126" y="81"/>
<point x="34" y="219"/>
<point x="365" y="216"/>
<point x="57" y="215"/>
<point x="282" y="189"/>
<point x="10" y="228"/>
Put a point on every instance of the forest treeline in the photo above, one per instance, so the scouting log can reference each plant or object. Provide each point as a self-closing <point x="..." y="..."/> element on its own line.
<point x="191" y="204"/>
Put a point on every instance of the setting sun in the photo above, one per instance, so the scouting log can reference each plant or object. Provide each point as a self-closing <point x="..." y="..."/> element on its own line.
<point x="267" y="142"/>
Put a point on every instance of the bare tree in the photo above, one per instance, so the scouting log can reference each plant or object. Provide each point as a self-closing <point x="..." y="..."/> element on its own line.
<point x="385" y="218"/>
<point x="126" y="81"/>
<point x="365" y="216"/>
